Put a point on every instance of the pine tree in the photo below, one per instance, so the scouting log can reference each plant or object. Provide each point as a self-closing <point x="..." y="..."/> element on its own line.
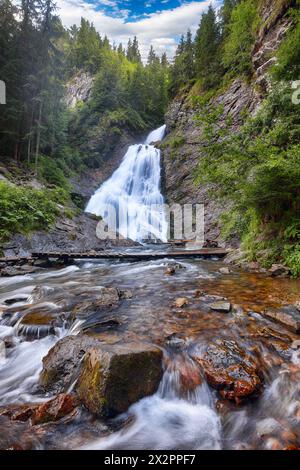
<point x="207" y="44"/>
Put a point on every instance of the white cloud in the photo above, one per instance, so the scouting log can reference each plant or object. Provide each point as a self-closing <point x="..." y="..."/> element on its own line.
<point x="160" y="29"/>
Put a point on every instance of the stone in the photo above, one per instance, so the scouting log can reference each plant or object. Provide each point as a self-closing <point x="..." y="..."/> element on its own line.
<point x="2" y="350"/>
<point x="297" y="305"/>
<point x="288" y="316"/>
<point x="54" y="410"/>
<point x="170" y="271"/>
<point x="279" y="270"/>
<point x="221" y="307"/>
<point x="181" y="302"/>
<point x="109" y="296"/>
<point x="295" y="344"/>
<point x="126" y="294"/>
<point x="267" y="426"/>
<point x="114" y="377"/>
<point x="224" y="270"/>
<point x="229" y="369"/>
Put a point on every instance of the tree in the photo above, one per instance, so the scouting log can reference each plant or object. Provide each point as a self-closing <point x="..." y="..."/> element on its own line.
<point x="207" y="44"/>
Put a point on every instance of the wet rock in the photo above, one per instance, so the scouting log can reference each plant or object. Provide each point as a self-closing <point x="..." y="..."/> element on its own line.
<point x="224" y="270"/>
<point x="181" y="302"/>
<point x="170" y="271"/>
<point x="279" y="270"/>
<point x="295" y="344"/>
<point x="2" y="350"/>
<point x="297" y="305"/>
<point x="175" y="343"/>
<point x="125" y="294"/>
<point x="62" y="364"/>
<point x="210" y="298"/>
<point x="54" y="410"/>
<point x="288" y="316"/>
<point x="229" y="369"/>
<point x="267" y="426"/>
<point x="221" y="307"/>
<point x="114" y="377"/>
<point x="108" y="297"/>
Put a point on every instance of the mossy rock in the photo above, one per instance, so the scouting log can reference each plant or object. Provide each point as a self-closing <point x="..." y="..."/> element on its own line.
<point x="114" y="377"/>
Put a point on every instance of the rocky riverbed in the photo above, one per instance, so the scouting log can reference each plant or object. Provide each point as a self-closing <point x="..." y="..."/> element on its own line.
<point x="160" y="355"/>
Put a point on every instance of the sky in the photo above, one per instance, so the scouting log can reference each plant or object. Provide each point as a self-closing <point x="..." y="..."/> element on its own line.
<point x="159" y="23"/>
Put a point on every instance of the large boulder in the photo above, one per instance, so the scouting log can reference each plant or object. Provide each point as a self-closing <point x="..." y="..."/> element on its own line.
<point x="288" y="317"/>
<point x="109" y="378"/>
<point x="229" y="369"/>
<point x="114" y="377"/>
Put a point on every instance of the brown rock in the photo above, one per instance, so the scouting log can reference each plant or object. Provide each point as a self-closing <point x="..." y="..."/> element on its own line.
<point x="54" y="410"/>
<point x="229" y="369"/>
<point x="224" y="270"/>
<point x="170" y="271"/>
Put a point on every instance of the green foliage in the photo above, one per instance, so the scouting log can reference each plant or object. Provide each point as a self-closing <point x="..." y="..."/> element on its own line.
<point x="288" y="55"/>
<point x="23" y="210"/>
<point x="258" y="169"/>
<point x="291" y="256"/>
<point x="241" y="36"/>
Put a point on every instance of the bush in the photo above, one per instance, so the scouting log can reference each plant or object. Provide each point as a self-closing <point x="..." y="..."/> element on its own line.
<point x="23" y="210"/>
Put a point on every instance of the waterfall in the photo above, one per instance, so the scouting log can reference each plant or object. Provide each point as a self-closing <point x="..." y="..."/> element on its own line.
<point x="132" y="195"/>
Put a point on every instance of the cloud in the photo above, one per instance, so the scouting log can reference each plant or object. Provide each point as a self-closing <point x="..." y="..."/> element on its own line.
<point x="160" y="29"/>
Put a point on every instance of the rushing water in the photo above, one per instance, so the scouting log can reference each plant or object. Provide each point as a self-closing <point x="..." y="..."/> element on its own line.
<point x="34" y="315"/>
<point x="131" y="200"/>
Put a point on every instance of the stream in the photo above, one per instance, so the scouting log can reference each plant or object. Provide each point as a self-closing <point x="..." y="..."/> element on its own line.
<point x="185" y="413"/>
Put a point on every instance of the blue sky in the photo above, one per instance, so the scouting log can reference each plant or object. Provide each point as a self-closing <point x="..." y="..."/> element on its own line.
<point x="155" y="22"/>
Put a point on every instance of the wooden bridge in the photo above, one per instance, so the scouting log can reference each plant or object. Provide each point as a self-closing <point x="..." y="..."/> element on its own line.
<point x="142" y="255"/>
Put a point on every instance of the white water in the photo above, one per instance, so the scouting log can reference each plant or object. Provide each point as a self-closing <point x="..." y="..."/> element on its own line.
<point x="133" y="191"/>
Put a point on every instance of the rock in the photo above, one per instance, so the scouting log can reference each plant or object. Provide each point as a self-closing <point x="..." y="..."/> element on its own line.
<point x="2" y="350"/>
<point x="114" y="377"/>
<point x="229" y="369"/>
<point x="62" y="364"/>
<point x="210" y="298"/>
<point x="170" y="271"/>
<point x="54" y="410"/>
<point x="295" y="344"/>
<point x="181" y="302"/>
<point x="109" y="296"/>
<point x="278" y="270"/>
<point x="125" y="294"/>
<point x="221" y="307"/>
<point x="288" y="316"/>
<point x="125" y="373"/>
<point x="297" y="305"/>
<point x="224" y="270"/>
<point x="267" y="426"/>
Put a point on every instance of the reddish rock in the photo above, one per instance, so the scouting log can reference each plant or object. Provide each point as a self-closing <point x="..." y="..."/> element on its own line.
<point x="288" y="316"/>
<point x="181" y="302"/>
<point x="54" y="410"/>
<point x="229" y="369"/>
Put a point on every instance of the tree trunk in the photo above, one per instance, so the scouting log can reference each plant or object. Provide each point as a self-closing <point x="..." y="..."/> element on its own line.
<point x="38" y="138"/>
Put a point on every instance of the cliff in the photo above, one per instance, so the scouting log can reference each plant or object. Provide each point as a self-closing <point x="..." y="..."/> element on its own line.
<point x="185" y="141"/>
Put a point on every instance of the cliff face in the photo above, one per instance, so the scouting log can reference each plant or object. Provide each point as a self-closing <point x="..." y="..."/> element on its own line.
<point x="184" y="142"/>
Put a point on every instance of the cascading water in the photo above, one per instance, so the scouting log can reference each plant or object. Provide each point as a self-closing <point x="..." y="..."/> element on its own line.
<point x="131" y="200"/>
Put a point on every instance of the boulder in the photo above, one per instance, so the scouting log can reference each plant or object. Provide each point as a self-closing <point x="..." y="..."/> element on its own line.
<point x="109" y="296"/>
<point x="229" y="369"/>
<point x="109" y="378"/>
<point x="114" y="377"/>
<point x="288" y="316"/>
<point x="221" y="307"/>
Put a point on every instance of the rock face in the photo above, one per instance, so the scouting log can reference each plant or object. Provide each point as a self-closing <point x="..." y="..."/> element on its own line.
<point x="113" y="378"/>
<point x="79" y="89"/>
<point x="183" y="146"/>
<point x="229" y="369"/>
<point x="110" y="378"/>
